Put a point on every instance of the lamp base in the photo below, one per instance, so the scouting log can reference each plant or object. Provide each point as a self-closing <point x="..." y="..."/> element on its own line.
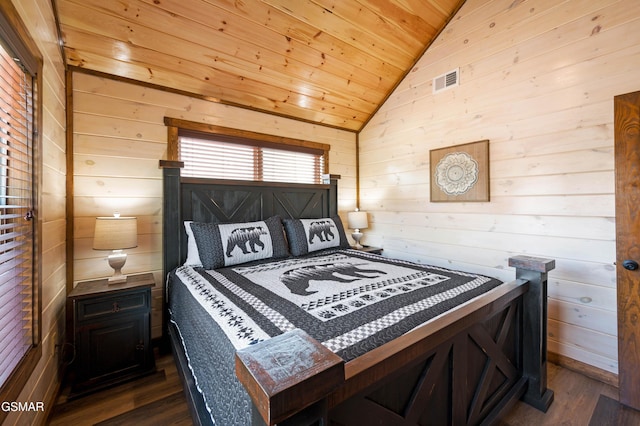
<point x="117" y="279"/>
<point x="357" y="235"/>
<point x="117" y="259"/>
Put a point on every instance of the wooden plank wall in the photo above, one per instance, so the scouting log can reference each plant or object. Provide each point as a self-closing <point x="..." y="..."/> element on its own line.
<point x="537" y="80"/>
<point x="119" y="136"/>
<point x="44" y="382"/>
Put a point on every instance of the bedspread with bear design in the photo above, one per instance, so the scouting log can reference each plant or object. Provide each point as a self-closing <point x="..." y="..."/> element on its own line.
<point x="349" y="301"/>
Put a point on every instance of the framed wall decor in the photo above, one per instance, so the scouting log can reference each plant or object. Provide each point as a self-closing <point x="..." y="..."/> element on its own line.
<point x="460" y="173"/>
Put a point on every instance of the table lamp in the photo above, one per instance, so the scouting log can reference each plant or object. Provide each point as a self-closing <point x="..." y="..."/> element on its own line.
<point x="116" y="233"/>
<point x="357" y="220"/>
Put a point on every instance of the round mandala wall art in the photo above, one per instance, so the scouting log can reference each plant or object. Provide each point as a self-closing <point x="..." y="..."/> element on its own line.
<point x="456" y="173"/>
<point x="460" y="173"/>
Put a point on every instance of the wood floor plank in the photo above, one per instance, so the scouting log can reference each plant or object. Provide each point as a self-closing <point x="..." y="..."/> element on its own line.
<point x="575" y="398"/>
<point x="140" y="398"/>
<point x="609" y="412"/>
<point x="171" y="410"/>
<point x="104" y="404"/>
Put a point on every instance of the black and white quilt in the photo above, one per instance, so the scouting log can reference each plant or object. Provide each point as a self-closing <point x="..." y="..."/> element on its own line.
<point x="349" y="301"/>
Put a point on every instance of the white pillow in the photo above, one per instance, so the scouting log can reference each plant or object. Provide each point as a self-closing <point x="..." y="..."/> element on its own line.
<point x="193" y="256"/>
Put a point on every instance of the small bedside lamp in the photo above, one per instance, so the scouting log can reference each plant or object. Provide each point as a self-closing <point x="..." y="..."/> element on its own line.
<point x="116" y="233"/>
<point x="357" y="220"/>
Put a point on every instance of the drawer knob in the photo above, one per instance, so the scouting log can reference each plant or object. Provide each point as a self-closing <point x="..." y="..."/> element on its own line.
<point x="630" y="265"/>
<point x="116" y="307"/>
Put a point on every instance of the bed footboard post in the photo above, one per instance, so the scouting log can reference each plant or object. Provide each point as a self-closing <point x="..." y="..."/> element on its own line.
<point x="534" y="356"/>
<point x="289" y="378"/>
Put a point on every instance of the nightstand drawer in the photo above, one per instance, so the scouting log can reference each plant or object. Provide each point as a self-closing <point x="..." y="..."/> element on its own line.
<point x="123" y="303"/>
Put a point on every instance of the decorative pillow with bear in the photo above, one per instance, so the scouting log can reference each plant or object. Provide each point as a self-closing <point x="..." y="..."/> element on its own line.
<point x="309" y="235"/>
<point x="225" y="244"/>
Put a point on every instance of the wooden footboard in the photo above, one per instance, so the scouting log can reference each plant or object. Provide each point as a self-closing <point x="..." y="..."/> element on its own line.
<point x="463" y="368"/>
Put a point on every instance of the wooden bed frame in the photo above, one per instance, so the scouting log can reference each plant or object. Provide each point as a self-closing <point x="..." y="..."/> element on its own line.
<point x="466" y="367"/>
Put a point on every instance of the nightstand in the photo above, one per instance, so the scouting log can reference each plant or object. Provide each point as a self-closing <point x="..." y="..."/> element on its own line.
<point x="112" y="332"/>
<point x="370" y="249"/>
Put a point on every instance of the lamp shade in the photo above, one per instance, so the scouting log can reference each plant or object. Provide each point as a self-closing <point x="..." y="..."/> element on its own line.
<point x="115" y="233"/>
<point x="357" y="220"/>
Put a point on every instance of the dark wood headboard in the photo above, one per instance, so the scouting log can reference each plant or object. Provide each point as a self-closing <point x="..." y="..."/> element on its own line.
<point x="218" y="201"/>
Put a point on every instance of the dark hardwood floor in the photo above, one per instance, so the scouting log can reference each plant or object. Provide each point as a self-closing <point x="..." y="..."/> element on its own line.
<point x="575" y="399"/>
<point x="158" y="399"/>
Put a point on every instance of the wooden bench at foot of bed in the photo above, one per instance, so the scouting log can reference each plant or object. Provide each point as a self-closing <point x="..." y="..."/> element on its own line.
<point x="464" y="368"/>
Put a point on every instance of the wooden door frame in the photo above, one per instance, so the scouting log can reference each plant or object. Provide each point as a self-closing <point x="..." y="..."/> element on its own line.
<point x="627" y="168"/>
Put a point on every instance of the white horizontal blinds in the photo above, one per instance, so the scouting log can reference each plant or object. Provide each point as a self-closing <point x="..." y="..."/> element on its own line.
<point x="16" y="201"/>
<point x="220" y="157"/>
<point x="216" y="160"/>
<point x="290" y="166"/>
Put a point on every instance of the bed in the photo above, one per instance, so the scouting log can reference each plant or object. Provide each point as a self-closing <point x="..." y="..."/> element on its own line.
<point x="333" y="335"/>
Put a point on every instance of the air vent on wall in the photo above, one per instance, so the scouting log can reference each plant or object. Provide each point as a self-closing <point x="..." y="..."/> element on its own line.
<point x="446" y="80"/>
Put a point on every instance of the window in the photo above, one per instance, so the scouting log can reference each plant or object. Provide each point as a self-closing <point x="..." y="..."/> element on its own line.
<point x="211" y="158"/>
<point x="221" y="153"/>
<point x="19" y="307"/>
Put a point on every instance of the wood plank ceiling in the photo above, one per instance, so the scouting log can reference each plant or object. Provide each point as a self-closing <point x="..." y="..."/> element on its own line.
<point x="331" y="62"/>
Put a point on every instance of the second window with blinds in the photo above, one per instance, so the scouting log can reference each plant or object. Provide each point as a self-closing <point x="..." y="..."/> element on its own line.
<point x="239" y="155"/>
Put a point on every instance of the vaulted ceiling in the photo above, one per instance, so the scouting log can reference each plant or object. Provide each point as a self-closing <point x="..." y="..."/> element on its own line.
<point x="331" y="62"/>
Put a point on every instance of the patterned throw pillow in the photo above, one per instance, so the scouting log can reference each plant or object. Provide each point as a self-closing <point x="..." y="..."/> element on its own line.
<point x="225" y="244"/>
<point x="309" y="235"/>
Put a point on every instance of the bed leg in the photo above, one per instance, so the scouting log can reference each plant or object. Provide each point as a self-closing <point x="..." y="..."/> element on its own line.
<point x="534" y="356"/>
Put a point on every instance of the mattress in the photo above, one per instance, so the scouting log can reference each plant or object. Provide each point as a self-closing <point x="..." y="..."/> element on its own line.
<point x="350" y="301"/>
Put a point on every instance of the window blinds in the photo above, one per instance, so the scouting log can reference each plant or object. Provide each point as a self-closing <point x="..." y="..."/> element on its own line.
<point x="16" y="201"/>
<point x="221" y="158"/>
